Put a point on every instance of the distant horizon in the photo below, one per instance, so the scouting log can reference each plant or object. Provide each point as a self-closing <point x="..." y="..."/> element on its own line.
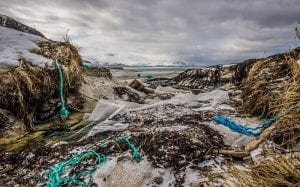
<point x="190" y="65"/>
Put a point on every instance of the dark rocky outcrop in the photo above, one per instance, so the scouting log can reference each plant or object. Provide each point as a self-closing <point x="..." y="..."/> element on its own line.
<point x="131" y="96"/>
<point x="11" y="23"/>
<point x="204" y="77"/>
<point x="215" y="75"/>
<point x="98" y="72"/>
<point x="241" y="70"/>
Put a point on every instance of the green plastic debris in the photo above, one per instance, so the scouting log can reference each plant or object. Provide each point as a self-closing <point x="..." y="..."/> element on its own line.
<point x="66" y="174"/>
<point x="64" y="113"/>
<point x="135" y="153"/>
<point x="86" y="66"/>
<point x="60" y="175"/>
<point x="170" y="82"/>
<point x="149" y="77"/>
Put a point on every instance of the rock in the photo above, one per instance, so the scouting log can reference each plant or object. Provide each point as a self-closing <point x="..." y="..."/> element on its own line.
<point x="6" y="21"/>
<point x="132" y="96"/>
<point x="158" y="180"/>
<point x="135" y="84"/>
<point x="98" y="72"/>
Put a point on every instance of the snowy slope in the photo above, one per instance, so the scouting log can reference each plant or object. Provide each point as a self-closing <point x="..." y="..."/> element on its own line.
<point x="15" y="45"/>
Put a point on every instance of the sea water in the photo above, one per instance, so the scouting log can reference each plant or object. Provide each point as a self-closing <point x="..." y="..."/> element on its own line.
<point x="156" y="72"/>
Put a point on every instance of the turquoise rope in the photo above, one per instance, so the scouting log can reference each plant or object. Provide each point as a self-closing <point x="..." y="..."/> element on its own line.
<point x="262" y="113"/>
<point x="56" y="175"/>
<point x="85" y="66"/>
<point x="60" y="174"/>
<point x="135" y="153"/>
<point x="64" y="113"/>
<point x="242" y="129"/>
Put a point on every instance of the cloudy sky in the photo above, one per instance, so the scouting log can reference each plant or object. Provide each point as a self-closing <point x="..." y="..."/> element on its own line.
<point x="161" y="32"/>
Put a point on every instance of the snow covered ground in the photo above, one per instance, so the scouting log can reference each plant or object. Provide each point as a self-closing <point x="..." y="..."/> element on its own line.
<point x="16" y="45"/>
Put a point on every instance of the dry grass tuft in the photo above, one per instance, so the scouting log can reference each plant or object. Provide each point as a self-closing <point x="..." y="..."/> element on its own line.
<point x="287" y="131"/>
<point x="282" y="171"/>
<point x="25" y="88"/>
<point x="273" y="88"/>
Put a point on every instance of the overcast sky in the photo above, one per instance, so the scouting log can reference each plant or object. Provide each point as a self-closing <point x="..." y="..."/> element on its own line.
<point x="161" y="32"/>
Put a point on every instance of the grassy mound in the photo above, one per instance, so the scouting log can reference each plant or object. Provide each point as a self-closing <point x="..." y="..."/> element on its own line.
<point x="25" y="89"/>
<point x="273" y="88"/>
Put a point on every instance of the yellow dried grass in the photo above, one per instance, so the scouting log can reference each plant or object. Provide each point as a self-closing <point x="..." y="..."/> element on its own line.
<point x="280" y="171"/>
<point x="287" y="131"/>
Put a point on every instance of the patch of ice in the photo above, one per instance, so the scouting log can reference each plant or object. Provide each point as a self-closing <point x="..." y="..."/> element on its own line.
<point x="104" y="110"/>
<point x="107" y="125"/>
<point x="15" y="45"/>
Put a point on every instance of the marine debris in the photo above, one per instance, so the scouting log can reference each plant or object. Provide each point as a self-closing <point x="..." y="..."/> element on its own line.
<point x="155" y="131"/>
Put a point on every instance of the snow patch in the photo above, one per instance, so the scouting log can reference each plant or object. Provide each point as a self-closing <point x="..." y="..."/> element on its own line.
<point x="119" y="171"/>
<point x="107" y="125"/>
<point x="15" y="45"/>
<point x="104" y="110"/>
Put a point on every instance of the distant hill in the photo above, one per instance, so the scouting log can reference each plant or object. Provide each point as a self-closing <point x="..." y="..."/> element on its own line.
<point x="96" y="63"/>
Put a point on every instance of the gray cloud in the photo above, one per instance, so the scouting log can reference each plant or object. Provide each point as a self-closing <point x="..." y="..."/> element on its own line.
<point x="164" y="31"/>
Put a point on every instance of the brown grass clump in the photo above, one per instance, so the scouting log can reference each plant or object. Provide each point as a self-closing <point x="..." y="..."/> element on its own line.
<point x="26" y="88"/>
<point x="273" y="88"/>
<point x="281" y="171"/>
<point x="287" y="128"/>
<point x="266" y="80"/>
<point x="98" y="72"/>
